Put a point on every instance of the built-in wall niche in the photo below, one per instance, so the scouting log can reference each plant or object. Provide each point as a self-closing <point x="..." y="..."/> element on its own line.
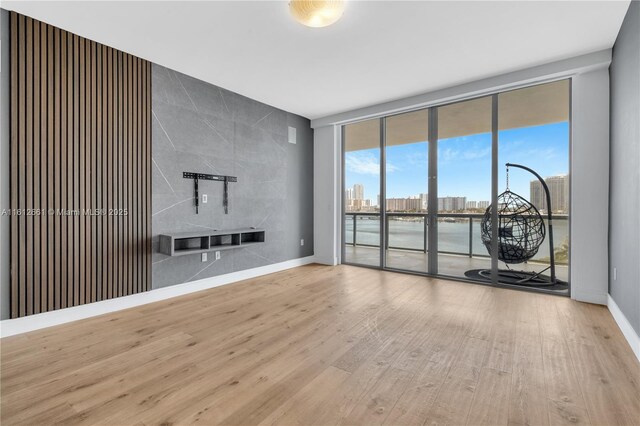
<point x="190" y="244"/>
<point x="252" y="237"/>
<point x="225" y="240"/>
<point x="185" y="243"/>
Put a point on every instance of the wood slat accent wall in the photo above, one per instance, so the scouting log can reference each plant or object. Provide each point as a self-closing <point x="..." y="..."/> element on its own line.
<point x="80" y="158"/>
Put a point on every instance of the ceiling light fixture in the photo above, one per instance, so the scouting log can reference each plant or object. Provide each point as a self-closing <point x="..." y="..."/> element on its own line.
<point x="316" y="13"/>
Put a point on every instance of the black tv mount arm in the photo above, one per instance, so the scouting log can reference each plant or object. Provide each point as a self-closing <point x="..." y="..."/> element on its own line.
<point x="220" y="178"/>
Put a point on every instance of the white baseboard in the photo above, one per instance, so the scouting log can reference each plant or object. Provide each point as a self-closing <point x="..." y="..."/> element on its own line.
<point x="625" y="326"/>
<point x="595" y="298"/>
<point x="15" y="326"/>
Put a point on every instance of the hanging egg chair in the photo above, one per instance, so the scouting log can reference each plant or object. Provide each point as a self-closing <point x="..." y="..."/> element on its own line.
<point x="521" y="229"/>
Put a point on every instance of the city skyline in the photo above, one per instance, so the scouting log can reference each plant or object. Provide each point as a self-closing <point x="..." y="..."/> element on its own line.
<point x="355" y="202"/>
<point x="558" y="191"/>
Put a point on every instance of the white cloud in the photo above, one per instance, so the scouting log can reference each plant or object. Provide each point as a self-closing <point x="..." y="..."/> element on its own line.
<point x="449" y="154"/>
<point x="417" y="159"/>
<point x="365" y="164"/>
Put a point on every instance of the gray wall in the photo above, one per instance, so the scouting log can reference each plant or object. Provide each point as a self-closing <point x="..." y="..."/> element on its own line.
<point x="203" y="128"/>
<point x="624" y="206"/>
<point x="5" y="275"/>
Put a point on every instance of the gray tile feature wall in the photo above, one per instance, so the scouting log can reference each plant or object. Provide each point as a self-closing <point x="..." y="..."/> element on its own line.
<point x="199" y="127"/>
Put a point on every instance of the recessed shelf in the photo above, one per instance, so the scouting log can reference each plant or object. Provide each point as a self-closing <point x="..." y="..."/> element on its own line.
<point x="252" y="237"/>
<point x="191" y="243"/>
<point x="184" y="243"/>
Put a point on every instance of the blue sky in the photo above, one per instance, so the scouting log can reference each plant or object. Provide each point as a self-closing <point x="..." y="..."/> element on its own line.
<point x="464" y="163"/>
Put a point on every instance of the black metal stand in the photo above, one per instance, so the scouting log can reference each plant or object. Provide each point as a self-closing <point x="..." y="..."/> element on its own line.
<point x="219" y="178"/>
<point x="548" y="196"/>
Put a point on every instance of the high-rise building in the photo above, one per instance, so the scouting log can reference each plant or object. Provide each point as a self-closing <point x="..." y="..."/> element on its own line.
<point x="424" y="201"/>
<point x="472" y="204"/>
<point x="450" y="204"/>
<point x="558" y="190"/>
<point x="536" y="195"/>
<point x="348" y="194"/>
<point x="483" y="204"/>
<point x="404" y="204"/>
<point x="358" y="191"/>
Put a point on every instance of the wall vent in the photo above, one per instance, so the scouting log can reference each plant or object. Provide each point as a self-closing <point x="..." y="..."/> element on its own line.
<point x="292" y="135"/>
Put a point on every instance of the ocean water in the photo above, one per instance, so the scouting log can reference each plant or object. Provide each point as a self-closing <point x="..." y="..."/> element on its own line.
<point x="452" y="236"/>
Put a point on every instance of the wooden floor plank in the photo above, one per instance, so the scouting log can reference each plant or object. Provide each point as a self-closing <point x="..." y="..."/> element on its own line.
<point x="527" y="398"/>
<point x="320" y="345"/>
<point x="491" y="399"/>
<point x="456" y="394"/>
<point x="566" y="402"/>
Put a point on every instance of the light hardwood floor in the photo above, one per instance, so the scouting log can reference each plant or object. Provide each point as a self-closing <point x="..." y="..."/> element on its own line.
<point x="329" y="345"/>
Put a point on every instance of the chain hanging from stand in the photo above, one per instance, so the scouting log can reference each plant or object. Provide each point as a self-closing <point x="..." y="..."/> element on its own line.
<point x="507" y="178"/>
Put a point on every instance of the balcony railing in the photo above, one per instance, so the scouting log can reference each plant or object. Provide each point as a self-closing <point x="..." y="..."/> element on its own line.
<point x="473" y="220"/>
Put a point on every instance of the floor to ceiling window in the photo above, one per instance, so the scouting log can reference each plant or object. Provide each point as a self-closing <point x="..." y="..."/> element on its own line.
<point x="406" y="190"/>
<point x="362" y="227"/>
<point x="534" y="132"/>
<point x="464" y="185"/>
<point x="426" y="191"/>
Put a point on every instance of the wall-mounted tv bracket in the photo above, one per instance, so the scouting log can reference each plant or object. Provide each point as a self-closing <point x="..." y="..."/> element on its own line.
<point x="220" y="178"/>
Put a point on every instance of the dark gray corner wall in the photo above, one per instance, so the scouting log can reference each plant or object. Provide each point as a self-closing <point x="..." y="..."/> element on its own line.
<point x="5" y="276"/>
<point x="202" y="128"/>
<point x="624" y="206"/>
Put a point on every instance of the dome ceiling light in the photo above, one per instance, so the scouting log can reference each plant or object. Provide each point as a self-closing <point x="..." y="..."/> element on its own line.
<point x="316" y="13"/>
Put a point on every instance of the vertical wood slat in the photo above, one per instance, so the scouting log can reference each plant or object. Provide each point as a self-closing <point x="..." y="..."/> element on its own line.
<point x="135" y="177"/>
<point x="33" y="143"/>
<point x="64" y="173"/>
<point x="15" y="223"/>
<point x="120" y="162"/>
<point x="80" y="144"/>
<point x="49" y="142"/>
<point x="93" y="174"/>
<point x="57" y="171"/>
<point x="39" y="173"/>
<point x="28" y="171"/>
<point x="125" y="171"/>
<point x="147" y="164"/>
<point x="130" y="179"/>
<point x="110" y="187"/>
<point x="82" y="178"/>
<point x="42" y="147"/>
<point x="39" y="121"/>
<point x="77" y="249"/>
<point x="23" y="166"/>
<point x="143" y="176"/>
<point x="138" y="174"/>
<point x="102" y="286"/>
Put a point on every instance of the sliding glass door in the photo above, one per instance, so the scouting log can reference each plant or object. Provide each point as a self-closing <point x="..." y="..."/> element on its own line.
<point x="534" y="133"/>
<point x="464" y="186"/>
<point x="427" y="191"/>
<point x="361" y="165"/>
<point x="406" y="190"/>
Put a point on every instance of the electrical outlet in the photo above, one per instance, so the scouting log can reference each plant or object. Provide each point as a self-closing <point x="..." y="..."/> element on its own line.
<point x="615" y="274"/>
<point x="204" y="198"/>
<point x="204" y="257"/>
<point x="302" y="241"/>
<point x="217" y="255"/>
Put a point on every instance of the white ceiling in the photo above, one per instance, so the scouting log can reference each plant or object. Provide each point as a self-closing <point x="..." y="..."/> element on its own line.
<point x="379" y="51"/>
